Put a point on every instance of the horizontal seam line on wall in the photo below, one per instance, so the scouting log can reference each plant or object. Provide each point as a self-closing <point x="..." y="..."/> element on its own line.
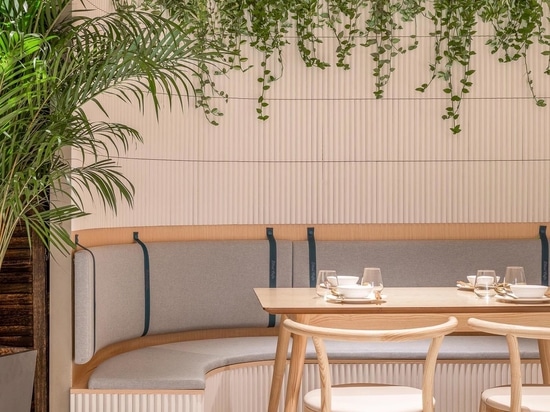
<point x="334" y="161"/>
<point x="445" y="98"/>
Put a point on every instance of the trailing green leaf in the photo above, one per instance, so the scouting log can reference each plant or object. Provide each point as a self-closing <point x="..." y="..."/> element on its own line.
<point x="377" y="25"/>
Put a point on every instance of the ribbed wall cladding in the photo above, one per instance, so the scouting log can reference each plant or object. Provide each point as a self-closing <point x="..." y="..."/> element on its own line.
<point x="135" y="402"/>
<point x="457" y="387"/>
<point x="239" y="390"/>
<point x="331" y="153"/>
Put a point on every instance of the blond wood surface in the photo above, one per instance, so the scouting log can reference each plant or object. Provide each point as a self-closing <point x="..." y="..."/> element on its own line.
<point x="319" y="334"/>
<point x="109" y="236"/>
<point x="402" y="308"/>
<point x="371" y="335"/>
<point x="544" y="347"/>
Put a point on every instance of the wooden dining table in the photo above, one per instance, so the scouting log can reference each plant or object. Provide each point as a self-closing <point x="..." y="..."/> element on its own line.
<point x="399" y="308"/>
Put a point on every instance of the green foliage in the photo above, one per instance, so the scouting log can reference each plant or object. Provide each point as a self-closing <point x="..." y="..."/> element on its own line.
<point x="51" y="66"/>
<point x="454" y="27"/>
<point x="53" y="63"/>
<point x="379" y="25"/>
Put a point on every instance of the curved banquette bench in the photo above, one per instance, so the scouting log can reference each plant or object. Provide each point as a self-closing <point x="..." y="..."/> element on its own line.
<point x="176" y="326"/>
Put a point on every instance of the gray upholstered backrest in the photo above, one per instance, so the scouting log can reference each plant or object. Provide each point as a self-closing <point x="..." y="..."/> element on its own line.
<point x="193" y="285"/>
<point x="108" y="297"/>
<point x="208" y="284"/>
<point x="419" y="262"/>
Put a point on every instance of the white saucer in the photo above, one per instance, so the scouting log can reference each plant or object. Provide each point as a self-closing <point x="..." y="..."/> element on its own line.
<point x="509" y="299"/>
<point x="335" y="299"/>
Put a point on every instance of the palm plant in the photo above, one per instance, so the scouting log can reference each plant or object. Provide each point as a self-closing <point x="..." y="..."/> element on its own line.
<point x="52" y="64"/>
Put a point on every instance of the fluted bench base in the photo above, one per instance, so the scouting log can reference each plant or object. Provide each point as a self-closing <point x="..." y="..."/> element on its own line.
<point x="234" y="374"/>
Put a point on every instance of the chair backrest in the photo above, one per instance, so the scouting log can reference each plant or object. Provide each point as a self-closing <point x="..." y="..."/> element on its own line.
<point x="512" y="333"/>
<point x="318" y="334"/>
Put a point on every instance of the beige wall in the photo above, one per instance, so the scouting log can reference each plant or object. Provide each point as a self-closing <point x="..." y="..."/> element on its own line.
<point x="61" y="342"/>
<point x="332" y="154"/>
<point x="329" y="156"/>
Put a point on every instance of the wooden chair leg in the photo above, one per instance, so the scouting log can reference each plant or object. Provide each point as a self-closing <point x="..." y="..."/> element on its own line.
<point x="483" y="407"/>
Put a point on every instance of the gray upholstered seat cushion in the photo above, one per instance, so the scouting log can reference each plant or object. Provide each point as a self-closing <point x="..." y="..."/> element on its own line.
<point x="181" y="365"/>
<point x="184" y="365"/>
<point x="453" y="348"/>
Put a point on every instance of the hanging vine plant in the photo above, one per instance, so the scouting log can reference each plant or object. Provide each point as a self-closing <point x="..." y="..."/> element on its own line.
<point x="517" y="25"/>
<point x="454" y="27"/>
<point x="377" y="25"/>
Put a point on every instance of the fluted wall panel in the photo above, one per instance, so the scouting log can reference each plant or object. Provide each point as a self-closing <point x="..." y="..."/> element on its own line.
<point x="136" y="402"/>
<point x="457" y="387"/>
<point x="332" y="153"/>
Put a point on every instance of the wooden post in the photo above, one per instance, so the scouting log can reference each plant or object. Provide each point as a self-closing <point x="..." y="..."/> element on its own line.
<point x="24" y="307"/>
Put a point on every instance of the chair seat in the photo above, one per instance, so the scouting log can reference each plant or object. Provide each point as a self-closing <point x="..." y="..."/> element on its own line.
<point x="533" y="398"/>
<point x="368" y="398"/>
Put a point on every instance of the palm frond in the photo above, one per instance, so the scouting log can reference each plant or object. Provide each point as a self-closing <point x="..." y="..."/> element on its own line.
<point x="52" y="65"/>
<point x="128" y="54"/>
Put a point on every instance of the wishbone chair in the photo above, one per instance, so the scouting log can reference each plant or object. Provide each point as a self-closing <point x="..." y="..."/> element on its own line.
<point x="515" y="397"/>
<point x="365" y="397"/>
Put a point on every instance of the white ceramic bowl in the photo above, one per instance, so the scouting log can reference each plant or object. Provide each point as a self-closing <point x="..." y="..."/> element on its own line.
<point x="354" y="291"/>
<point x="344" y="280"/>
<point x="528" y="291"/>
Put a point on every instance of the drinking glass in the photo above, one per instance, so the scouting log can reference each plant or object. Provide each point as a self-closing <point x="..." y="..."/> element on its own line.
<point x="373" y="276"/>
<point x="515" y="275"/>
<point x="326" y="279"/>
<point x="484" y="286"/>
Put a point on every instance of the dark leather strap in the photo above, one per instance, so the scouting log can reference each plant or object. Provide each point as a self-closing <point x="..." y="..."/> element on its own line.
<point x="312" y="257"/>
<point x="272" y="268"/>
<point x="147" y="284"/>
<point x="544" y="262"/>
